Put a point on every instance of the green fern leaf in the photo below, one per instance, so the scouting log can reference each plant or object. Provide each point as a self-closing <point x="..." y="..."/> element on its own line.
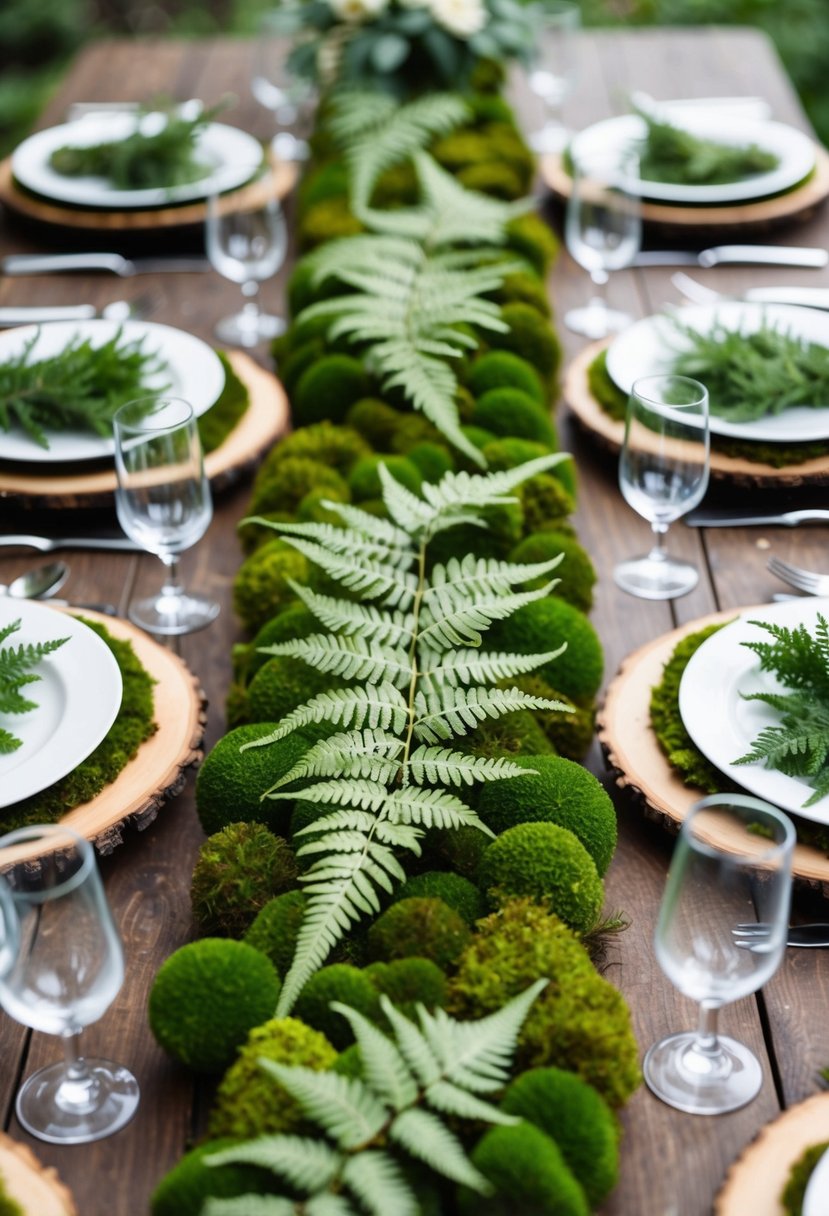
<point x="344" y="1108"/>
<point x="462" y="667"/>
<point x="447" y="622"/>
<point x="250" y="1205"/>
<point x="358" y="795"/>
<point x="342" y="541"/>
<point x="383" y="1067"/>
<point x="377" y="705"/>
<point x="430" y="808"/>
<point x="461" y="216"/>
<point x="445" y="767"/>
<point x="426" y="1138"/>
<point x="372" y="527"/>
<point x="451" y="1100"/>
<point x="352" y="658"/>
<point x="371" y="580"/>
<point x="485" y="490"/>
<point x="377" y="1181"/>
<point x="456" y="711"/>
<point x="365" y="620"/>
<point x="306" y="1163"/>
<point x="328" y="1204"/>
<point x="370" y="753"/>
<point x="472" y="576"/>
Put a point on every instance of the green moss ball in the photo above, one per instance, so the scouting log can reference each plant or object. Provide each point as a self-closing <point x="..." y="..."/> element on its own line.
<point x="375" y="421"/>
<point x="409" y="982"/>
<point x="529" y="1175"/>
<point x="433" y="460"/>
<point x="458" y="849"/>
<point x="283" y="683"/>
<point x="576" y="571"/>
<point x="543" y="626"/>
<point x="330" y="180"/>
<point x="494" y="179"/>
<point x="364" y="480"/>
<point x="283" y="487"/>
<point x="276" y="928"/>
<point x="509" y="411"/>
<point x="230" y="781"/>
<point x="334" y="445"/>
<point x="529" y="336"/>
<point x="503" y="369"/>
<point x="412" y="429"/>
<point x="568" y="734"/>
<point x="349" y="1063"/>
<point x="237" y="871"/>
<point x="327" y="220"/>
<point x="190" y="1183"/>
<point x="339" y="982"/>
<point x="261" y="586"/>
<point x="455" y="890"/>
<point x="293" y="622"/>
<point x="516" y="734"/>
<point x="510" y="451"/>
<point x="249" y="1101"/>
<point x="328" y="389"/>
<point x="570" y="1112"/>
<point x="425" y="928"/>
<point x="546" y="503"/>
<point x="560" y="792"/>
<point x="523" y="288"/>
<point x="530" y="236"/>
<point x="206" y="998"/>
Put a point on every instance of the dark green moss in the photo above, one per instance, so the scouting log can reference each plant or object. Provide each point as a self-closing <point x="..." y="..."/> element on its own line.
<point x="794" y="1191"/>
<point x="531" y="337"/>
<point x="9" y="1206"/>
<point x="458" y="892"/>
<point x="528" y="1174"/>
<point x="328" y="389"/>
<point x="226" y="412"/>
<point x="510" y="411"/>
<point x="184" y="1190"/>
<point x="231" y="781"/>
<point x="238" y="870"/>
<point x="503" y="369"/>
<point x="530" y="236"/>
<point x="576" y="571"/>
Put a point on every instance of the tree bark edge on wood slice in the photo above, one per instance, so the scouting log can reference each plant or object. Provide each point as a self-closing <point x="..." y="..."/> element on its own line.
<point x="36" y="1188"/>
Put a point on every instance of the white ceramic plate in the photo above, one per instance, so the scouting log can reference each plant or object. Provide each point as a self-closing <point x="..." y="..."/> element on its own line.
<point x="795" y="153"/>
<point x="816" y="1199"/>
<point x="723" y="725"/>
<point x="649" y="347"/>
<point x="193" y="371"/>
<point x="232" y="157"/>
<point x="78" y="697"/>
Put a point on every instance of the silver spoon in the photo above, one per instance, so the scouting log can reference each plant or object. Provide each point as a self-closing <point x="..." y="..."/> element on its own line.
<point x="37" y="584"/>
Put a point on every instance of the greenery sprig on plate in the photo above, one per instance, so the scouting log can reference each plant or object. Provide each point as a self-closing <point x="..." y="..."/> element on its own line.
<point x="79" y="388"/>
<point x="675" y="155"/>
<point x="16" y="663"/>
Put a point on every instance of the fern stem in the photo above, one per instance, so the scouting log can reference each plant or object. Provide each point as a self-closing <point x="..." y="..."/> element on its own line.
<point x="417" y="604"/>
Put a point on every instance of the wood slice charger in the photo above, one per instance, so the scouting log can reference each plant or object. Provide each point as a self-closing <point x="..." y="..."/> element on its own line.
<point x="736" y="469"/>
<point x="632" y="751"/>
<point x="35" y="1188"/>
<point x="261" y="424"/>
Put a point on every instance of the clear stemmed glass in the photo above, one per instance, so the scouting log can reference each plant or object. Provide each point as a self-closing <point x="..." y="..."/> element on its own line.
<point x="602" y="230"/>
<point x="663" y="472"/>
<point x="163" y="503"/>
<point x="67" y="971"/>
<point x="246" y="245"/>
<point x="288" y="97"/>
<point x="553" y="67"/>
<point x="720" y="936"/>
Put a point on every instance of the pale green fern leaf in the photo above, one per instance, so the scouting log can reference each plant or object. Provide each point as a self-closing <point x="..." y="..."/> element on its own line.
<point x="347" y="1110"/>
<point x="425" y="1137"/>
<point x="308" y="1164"/>
<point x="383" y="1067"/>
<point x="379" y="1185"/>
<point x="399" y="835"/>
<point x="371" y="753"/>
<point x="349" y="819"/>
<point x="412" y="1045"/>
<point x="250" y="1205"/>
<point x="342" y="541"/>
<point x="377" y="705"/>
<point x="328" y="1204"/>
<point x="452" y="1100"/>
<point x="370" y="579"/>
<point x="448" y="622"/>
<point x="357" y="795"/>
<point x="485" y="490"/>
<point x="443" y="766"/>
<point x="472" y="576"/>
<point x="370" y="526"/>
<point x="460" y="216"/>
<point x="456" y="711"/>
<point x="347" y="617"/>
<point x="460" y="667"/>
<point x="351" y="658"/>
<point x="430" y="808"/>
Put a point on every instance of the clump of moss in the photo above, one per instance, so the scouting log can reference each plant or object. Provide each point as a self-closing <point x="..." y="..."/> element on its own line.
<point x="409" y="982"/>
<point x="325" y="181"/>
<point x="559" y="792"/>
<point x="296" y="360"/>
<point x="338" y="447"/>
<point x="237" y="871"/>
<point x="456" y="891"/>
<point x="579" y="1022"/>
<point x="261" y="586"/>
<point x="207" y="997"/>
<point x="568" y="733"/>
<point x="543" y="626"/>
<point x="569" y="1111"/>
<point x="528" y="1174"/>
<point x="230" y="782"/>
<point x="509" y="451"/>
<point x="432" y="460"/>
<point x="292" y="622"/>
<point x="523" y="288"/>
<point x="794" y="1191"/>
<point x="364" y="480"/>
<point x="551" y="865"/>
<point x="276" y="927"/>
<point x="8" y="1206"/>
<point x="279" y="493"/>
<point x="516" y="734"/>
<point x="190" y="1183"/>
<point x="375" y="420"/>
<point x="510" y="411"/>
<point x="530" y="336"/>
<point x="530" y="236"/>
<point x="327" y="220"/>
<point x="576" y="571"/>
<point x="426" y="928"/>
<point x="546" y="502"/>
<point x="503" y="369"/>
<point x="458" y="849"/>
<point x="496" y="179"/>
<point x="328" y="389"/>
<point x="281" y="684"/>
<point x="338" y="982"/>
<point x="249" y="1101"/>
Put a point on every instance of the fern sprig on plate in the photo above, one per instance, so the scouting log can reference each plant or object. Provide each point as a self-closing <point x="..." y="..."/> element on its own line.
<point x="799" y="746"/>
<point x="16" y="663"/>
<point x="411" y="1084"/>
<point x="411" y="637"/>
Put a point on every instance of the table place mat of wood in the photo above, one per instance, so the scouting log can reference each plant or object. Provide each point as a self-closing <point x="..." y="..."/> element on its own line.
<point x="37" y="1189"/>
<point x="260" y="426"/>
<point x="633" y="753"/>
<point x="735" y="219"/>
<point x="610" y="433"/>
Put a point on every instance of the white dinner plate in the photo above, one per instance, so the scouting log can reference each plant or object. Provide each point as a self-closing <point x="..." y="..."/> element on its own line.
<point x="816" y="1198"/>
<point x="795" y="154"/>
<point x="650" y="346"/>
<point x="231" y="156"/>
<point x="192" y="370"/>
<point x="723" y="725"/>
<point x="78" y="696"/>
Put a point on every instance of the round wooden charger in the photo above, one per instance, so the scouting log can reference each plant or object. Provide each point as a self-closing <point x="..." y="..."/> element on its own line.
<point x="259" y="427"/>
<point x="757" y="1178"/>
<point x="159" y="769"/>
<point x="764" y="213"/>
<point x="610" y="433"/>
<point x="278" y="184"/>
<point x="35" y="1188"/>
<point x="632" y="751"/>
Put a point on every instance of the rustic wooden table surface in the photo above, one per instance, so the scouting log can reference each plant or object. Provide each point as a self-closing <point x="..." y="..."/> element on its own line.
<point x="672" y="1163"/>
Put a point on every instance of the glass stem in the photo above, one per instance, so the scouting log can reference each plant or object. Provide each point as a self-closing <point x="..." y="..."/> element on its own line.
<point x="658" y="553"/>
<point x="250" y="290"/>
<point x="78" y="1091"/>
<point x="599" y="279"/>
<point x="172" y="581"/>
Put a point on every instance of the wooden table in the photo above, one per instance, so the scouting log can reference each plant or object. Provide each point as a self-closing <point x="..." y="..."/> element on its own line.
<point x="672" y="1163"/>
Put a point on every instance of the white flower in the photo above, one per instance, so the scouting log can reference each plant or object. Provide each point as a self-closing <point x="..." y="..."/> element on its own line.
<point x="355" y="11"/>
<point x="463" y="18"/>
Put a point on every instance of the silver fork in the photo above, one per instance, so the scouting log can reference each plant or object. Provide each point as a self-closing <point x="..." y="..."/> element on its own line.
<point x="804" y="580"/>
<point x="753" y="936"/>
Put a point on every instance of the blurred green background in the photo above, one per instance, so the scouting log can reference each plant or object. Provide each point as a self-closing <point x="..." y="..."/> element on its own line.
<point x="39" y="37"/>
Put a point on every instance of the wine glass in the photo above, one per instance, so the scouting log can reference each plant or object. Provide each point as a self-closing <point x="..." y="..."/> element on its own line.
<point x="67" y="971"/>
<point x="602" y="230"/>
<point x="163" y="503"/>
<point x="246" y="245"/>
<point x="663" y="472"/>
<point x="288" y="97"/>
<point x="553" y="67"/>
<point x="720" y="936"/>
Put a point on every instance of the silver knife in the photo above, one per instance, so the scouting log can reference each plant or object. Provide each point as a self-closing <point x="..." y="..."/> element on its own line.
<point x="727" y="518"/>
<point x="48" y="544"/>
<point x="759" y="255"/>
<point x="37" y="315"/>
<point x="804" y="297"/>
<point x="59" y="263"/>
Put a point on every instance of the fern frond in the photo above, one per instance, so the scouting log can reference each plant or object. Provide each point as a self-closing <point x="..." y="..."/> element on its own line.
<point x="352" y="658"/>
<point x="365" y="620"/>
<point x="356" y="795"/>
<point x="462" y="667"/>
<point x="379" y="1184"/>
<point x="448" y="621"/>
<point x="306" y="1163"/>
<point x="473" y="576"/>
<point x="383" y="1067"/>
<point x="430" y="808"/>
<point x="372" y="527"/>
<point x="443" y="766"/>
<point x="345" y="1108"/>
<point x="427" y="1139"/>
<point x="370" y="579"/>
<point x="342" y="541"/>
<point x="456" y="711"/>
<point x="329" y="1204"/>
<point x="370" y="753"/>
<point x="485" y="490"/>
<point x="460" y="216"/>
<point x="452" y="1100"/>
<point x="377" y="705"/>
<point x="251" y="1205"/>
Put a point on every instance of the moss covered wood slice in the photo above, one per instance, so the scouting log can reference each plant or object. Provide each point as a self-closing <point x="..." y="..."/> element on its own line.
<point x="35" y="1189"/>
<point x="158" y="771"/>
<point x="756" y="1180"/>
<point x="632" y="751"/>
<point x="609" y="432"/>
